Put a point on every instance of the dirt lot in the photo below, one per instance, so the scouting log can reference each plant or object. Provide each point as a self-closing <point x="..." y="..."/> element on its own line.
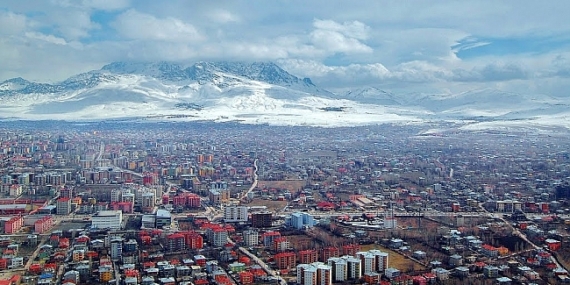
<point x="301" y="242"/>
<point x="395" y="259"/>
<point x="292" y="185"/>
<point x="273" y="206"/>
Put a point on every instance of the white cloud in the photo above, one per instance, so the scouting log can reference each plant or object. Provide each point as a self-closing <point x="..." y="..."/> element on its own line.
<point x="74" y="24"/>
<point x="140" y="26"/>
<point x="354" y="29"/>
<point x="223" y="16"/>
<point x="334" y="37"/>
<point x="47" y="38"/>
<point x="108" y="5"/>
<point x="12" y="23"/>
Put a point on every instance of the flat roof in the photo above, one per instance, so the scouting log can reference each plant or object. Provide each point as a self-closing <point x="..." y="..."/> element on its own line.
<point x="13" y="206"/>
<point x="108" y="213"/>
<point x="161" y="213"/>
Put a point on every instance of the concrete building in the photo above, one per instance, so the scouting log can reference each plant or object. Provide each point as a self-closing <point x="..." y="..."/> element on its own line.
<point x="251" y="237"/>
<point x="163" y="218"/>
<point x="261" y="219"/>
<point x="301" y="220"/>
<point x="234" y="214"/>
<point x="116" y="248"/>
<point x="316" y="273"/>
<point x="63" y="206"/>
<point x="148" y="202"/>
<point x="107" y="220"/>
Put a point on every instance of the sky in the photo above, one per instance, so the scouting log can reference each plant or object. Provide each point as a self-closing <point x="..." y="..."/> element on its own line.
<point x="412" y="46"/>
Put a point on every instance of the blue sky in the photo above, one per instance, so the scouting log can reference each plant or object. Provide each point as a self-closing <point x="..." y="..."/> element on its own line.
<point x="415" y="46"/>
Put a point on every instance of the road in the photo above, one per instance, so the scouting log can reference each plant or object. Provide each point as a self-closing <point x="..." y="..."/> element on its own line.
<point x="254" y="184"/>
<point x="101" y="152"/>
<point x="36" y="252"/>
<point x="521" y="235"/>
<point x="263" y="265"/>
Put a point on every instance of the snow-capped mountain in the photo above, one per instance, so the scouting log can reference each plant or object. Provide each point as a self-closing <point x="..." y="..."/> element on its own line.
<point x="259" y="92"/>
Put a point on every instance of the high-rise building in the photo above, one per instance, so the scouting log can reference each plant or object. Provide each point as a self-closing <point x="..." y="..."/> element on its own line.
<point x="285" y="260"/>
<point x="251" y="237"/>
<point x="116" y="248"/>
<point x="63" y="206"/>
<point x="261" y="219"/>
<point x="235" y="214"/>
<point x="107" y="220"/>
<point x="316" y="273"/>
<point x="381" y="260"/>
<point x="301" y="220"/>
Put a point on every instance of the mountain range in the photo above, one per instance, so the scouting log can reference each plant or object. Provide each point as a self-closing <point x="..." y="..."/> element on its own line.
<point x="258" y="93"/>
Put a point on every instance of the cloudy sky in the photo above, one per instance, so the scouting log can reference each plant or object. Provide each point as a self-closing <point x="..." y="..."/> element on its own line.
<point x="417" y="46"/>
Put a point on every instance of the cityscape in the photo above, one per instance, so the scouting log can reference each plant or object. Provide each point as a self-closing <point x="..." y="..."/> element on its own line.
<point x="255" y="142"/>
<point x="209" y="203"/>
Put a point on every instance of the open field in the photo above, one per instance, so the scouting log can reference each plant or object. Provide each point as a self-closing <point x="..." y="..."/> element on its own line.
<point x="301" y="242"/>
<point x="395" y="259"/>
<point x="273" y="206"/>
<point x="292" y="185"/>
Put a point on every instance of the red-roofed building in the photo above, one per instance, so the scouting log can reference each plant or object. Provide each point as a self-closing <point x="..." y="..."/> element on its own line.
<point x="175" y="242"/>
<point x="63" y="243"/>
<point x="402" y="280"/>
<point x="257" y="271"/>
<point x="193" y="240"/>
<point x="63" y="206"/>
<point x="490" y="250"/>
<point x="371" y="278"/>
<point x="325" y="206"/>
<point x="281" y="244"/>
<point x="329" y="252"/>
<point x="222" y="280"/>
<point x="43" y="225"/>
<point x="246" y="277"/>
<point x="553" y="244"/>
<point x="125" y="207"/>
<point x="13" y="225"/>
<point x="308" y="256"/>
<point x="14" y="280"/>
<point x="350" y="249"/>
<point x="285" y="260"/>
<point x="430" y="277"/>
<point x="35" y="268"/>
<point x="269" y="237"/>
<point x="419" y="280"/>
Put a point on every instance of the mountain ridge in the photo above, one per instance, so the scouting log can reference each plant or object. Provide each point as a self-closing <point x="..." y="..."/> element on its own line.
<point x="252" y="92"/>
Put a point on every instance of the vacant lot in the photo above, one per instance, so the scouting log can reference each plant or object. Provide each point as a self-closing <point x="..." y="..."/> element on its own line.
<point x="301" y="242"/>
<point x="395" y="259"/>
<point x="292" y="185"/>
<point x="273" y="206"/>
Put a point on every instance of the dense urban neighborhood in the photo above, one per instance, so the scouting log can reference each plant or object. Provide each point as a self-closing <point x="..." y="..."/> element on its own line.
<point x="224" y="203"/>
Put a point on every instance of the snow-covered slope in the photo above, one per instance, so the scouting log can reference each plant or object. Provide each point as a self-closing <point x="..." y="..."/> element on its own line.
<point x="256" y="93"/>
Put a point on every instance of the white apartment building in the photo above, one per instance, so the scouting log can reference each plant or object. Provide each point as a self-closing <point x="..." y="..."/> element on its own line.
<point x="345" y="268"/>
<point x="116" y="195"/>
<point x="339" y="268"/>
<point x="381" y="260"/>
<point x="353" y="267"/>
<point x="235" y="214"/>
<point x="251" y="237"/>
<point x="107" y="219"/>
<point x="368" y="261"/>
<point x="316" y="273"/>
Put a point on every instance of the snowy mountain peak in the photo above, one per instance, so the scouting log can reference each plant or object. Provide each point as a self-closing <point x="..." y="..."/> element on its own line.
<point x="14" y="84"/>
<point x="373" y="95"/>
